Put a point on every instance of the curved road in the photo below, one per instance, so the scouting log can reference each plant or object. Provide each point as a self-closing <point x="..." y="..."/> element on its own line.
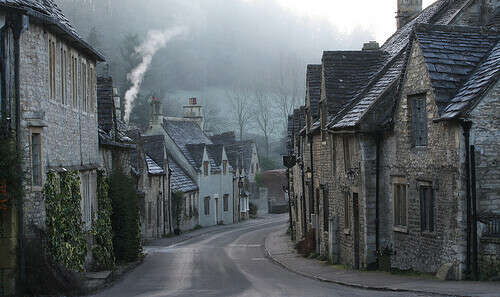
<point x="227" y="262"/>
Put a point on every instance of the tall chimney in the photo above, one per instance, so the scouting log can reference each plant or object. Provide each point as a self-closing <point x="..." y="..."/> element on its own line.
<point x="407" y="10"/>
<point x="194" y="112"/>
<point x="156" y="120"/>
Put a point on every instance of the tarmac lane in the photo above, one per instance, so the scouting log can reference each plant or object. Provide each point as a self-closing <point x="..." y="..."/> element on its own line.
<point x="232" y="262"/>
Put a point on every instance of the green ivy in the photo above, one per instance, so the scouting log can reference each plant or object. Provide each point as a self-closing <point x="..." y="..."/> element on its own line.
<point x="66" y="238"/>
<point x="125" y="218"/>
<point x="11" y="178"/>
<point x="102" y="230"/>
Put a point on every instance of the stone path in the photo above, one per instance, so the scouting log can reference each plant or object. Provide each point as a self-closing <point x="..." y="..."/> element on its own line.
<point x="280" y="249"/>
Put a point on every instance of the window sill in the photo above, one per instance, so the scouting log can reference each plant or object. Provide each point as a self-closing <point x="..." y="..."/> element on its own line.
<point x="400" y="229"/>
<point x="36" y="188"/>
<point x="347" y="231"/>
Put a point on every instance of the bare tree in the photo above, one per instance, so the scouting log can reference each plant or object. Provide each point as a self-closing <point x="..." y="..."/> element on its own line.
<point x="289" y="87"/>
<point x="265" y="117"/>
<point x="241" y="108"/>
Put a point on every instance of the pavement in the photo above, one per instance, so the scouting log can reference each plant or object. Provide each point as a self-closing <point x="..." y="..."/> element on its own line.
<point x="281" y="250"/>
<point x="225" y="261"/>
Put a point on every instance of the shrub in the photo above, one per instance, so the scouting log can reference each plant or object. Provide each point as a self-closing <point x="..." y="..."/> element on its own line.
<point x="259" y="180"/>
<point x="125" y="219"/>
<point x="253" y="210"/>
<point x="66" y="239"/>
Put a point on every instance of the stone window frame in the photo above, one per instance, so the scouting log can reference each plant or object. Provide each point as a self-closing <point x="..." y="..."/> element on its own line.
<point x="74" y="80"/>
<point x="87" y="194"/>
<point x="429" y="185"/>
<point x="399" y="181"/>
<point x="83" y="85"/>
<point x="34" y="186"/>
<point x="63" y="68"/>
<point x="52" y="66"/>
<point x="418" y="122"/>
<point x="323" y="119"/>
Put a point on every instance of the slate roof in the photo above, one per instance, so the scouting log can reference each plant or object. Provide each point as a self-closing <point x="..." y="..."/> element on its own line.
<point x="224" y="138"/>
<point x="154" y="148"/>
<point x="483" y="77"/>
<point x="180" y="180"/>
<point x="451" y="54"/>
<point x="46" y="11"/>
<point x="184" y="133"/>
<point x="494" y="21"/>
<point x="442" y="12"/>
<point x="195" y="152"/>
<point x="240" y="151"/>
<point x="313" y="83"/>
<point x="105" y="103"/>
<point x="215" y="152"/>
<point x="346" y="73"/>
<point x="153" y="168"/>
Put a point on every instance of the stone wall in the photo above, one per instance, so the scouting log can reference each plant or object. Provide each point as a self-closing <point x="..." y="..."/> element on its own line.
<point x="69" y="135"/>
<point x="436" y="165"/>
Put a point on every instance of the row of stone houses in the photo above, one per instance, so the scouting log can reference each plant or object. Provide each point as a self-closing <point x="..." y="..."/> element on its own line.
<point x="62" y="118"/>
<point x="396" y="150"/>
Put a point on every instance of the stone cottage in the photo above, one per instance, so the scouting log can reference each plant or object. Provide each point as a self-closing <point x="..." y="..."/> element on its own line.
<point x="48" y="102"/>
<point x="244" y="160"/>
<point x="388" y="184"/>
<point x="200" y="159"/>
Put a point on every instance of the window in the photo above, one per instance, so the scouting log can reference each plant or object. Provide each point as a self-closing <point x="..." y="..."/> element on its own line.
<point x="83" y="77"/>
<point x="347" y="152"/>
<point x="92" y="87"/>
<point x="36" y="159"/>
<point x="86" y="194"/>
<point x="224" y="166"/>
<point x="426" y="208"/>
<point x="332" y="151"/>
<point x="418" y="119"/>
<point x="347" y="211"/>
<point x="226" y="202"/>
<point x="63" y="67"/>
<point x="52" y="68"/>
<point x="252" y="168"/>
<point x="400" y="204"/>
<point x="207" y="206"/>
<point x="205" y="168"/>
<point x="74" y="80"/>
<point x="323" y="119"/>
<point x="326" y="210"/>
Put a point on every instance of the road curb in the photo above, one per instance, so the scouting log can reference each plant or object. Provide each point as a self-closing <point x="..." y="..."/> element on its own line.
<point x="343" y="283"/>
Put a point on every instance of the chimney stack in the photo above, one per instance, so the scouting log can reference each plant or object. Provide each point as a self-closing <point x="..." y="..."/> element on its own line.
<point x="371" y="46"/>
<point x="156" y="120"/>
<point x="407" y="10"/>
<point x="194" y="112"/>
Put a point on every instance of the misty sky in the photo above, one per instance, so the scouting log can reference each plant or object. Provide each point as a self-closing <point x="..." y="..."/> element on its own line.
<point x="376" y="16"/>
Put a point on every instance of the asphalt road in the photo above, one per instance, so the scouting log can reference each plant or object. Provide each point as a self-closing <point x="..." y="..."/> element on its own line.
<point x="231" y="262"/>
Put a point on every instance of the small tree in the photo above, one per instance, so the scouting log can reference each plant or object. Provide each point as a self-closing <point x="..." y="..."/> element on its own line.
<point x="241" y="108"/>
<point x="126" y="217"/>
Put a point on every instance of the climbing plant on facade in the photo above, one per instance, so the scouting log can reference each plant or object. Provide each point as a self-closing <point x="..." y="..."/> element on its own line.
<point x="126" y="217"/>
<point x="11" y="178"/>
<point x="66" y="237"/>
<point x="102" y="229"/>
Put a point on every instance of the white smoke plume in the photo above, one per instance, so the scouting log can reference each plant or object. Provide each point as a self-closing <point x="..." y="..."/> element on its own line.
<point x="154" y="42"/>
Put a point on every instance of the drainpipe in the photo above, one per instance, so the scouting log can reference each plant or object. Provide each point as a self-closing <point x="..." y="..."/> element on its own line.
<point x="377" y="190"/>
<point x="466" y="125"/>
<point x="17" y="30"/>
<point x="475" y="270"/>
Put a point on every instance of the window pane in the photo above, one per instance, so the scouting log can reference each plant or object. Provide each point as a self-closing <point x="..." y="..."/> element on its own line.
<point x="36" y="159"/>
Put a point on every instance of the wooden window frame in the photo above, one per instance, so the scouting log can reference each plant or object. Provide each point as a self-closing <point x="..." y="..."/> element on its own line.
<point x="206" y="168"/>
<point x="225" y="200"/>
<point x="400" y="205"/>
<point x="206" y="205"/>
<point x="427" y="207"/>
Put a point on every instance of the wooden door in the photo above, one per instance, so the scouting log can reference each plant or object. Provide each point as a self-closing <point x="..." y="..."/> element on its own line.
<point x="355" y="202"/>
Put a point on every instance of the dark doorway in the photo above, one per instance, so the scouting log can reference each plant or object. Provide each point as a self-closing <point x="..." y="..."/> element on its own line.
<point x="355" y="202"/>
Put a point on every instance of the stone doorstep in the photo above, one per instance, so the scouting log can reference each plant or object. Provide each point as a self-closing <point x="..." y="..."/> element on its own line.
<point x="398" y="286"/>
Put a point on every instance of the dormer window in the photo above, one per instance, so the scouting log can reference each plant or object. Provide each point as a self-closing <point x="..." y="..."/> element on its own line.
<point x="205" y="168"/>
<point x="418" y="109"/>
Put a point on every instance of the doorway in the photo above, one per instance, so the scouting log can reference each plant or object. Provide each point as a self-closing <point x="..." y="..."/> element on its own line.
<point x="355" y="202"/>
